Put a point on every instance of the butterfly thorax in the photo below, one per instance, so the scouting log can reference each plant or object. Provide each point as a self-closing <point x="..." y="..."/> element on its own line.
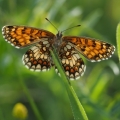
<point x="58" y="40"/>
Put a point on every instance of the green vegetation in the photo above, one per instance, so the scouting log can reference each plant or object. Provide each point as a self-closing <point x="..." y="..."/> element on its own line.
<point x="45" y="95"/>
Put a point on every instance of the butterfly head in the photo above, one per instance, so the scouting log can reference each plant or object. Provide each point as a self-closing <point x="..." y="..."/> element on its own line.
<point x="59" y="35"/>
<point x="58" y="40"/>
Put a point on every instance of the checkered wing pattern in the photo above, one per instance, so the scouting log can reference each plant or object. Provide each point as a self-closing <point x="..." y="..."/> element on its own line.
<point x="72" y="64"/>
<point x="21" y="36"/>
<point x="38" y="57"/>
<point x="94" y="50"/>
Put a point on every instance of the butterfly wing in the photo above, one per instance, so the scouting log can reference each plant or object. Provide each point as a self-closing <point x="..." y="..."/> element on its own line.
<point x="38" y="57"/>
<point x="94" y="50"/>
<point x="21" y="36"/>
<point x="72" y="63"/>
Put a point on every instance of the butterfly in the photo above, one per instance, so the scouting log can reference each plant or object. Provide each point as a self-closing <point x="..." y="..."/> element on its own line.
<point x="38" y="57"/>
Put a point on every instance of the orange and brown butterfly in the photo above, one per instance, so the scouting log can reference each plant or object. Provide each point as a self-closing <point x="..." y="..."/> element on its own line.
<point x="38" y="57"/>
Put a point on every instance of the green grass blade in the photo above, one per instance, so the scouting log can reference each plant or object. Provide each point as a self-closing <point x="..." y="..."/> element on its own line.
<point x="118" y="40"/>
<point x="30" y="99"/>
<point x="77" y="108"/>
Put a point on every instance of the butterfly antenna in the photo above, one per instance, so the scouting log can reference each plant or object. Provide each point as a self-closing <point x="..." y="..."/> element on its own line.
<point x="71" y="28"/>
<point x="51" y="24"/>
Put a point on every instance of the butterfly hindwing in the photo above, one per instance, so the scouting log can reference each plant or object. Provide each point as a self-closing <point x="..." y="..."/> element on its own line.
<point x="72" y="63"/>
<point x="38" y="57"/>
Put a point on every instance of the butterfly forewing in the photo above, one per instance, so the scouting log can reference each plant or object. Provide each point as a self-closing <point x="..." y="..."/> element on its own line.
<point x="94" y="50"/>
<point x="38" y="57"/>
<point x="21" y="36"/>
<point x="72" y="63"/>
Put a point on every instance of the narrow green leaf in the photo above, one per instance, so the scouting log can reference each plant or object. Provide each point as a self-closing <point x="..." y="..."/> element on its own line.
<point x="77" y="108"/>
<point x="30" y="99"/>
<point x="118" y="40"/>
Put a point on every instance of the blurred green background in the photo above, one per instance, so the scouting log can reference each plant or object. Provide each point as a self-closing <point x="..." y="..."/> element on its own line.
<point x="99" y="88"/>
